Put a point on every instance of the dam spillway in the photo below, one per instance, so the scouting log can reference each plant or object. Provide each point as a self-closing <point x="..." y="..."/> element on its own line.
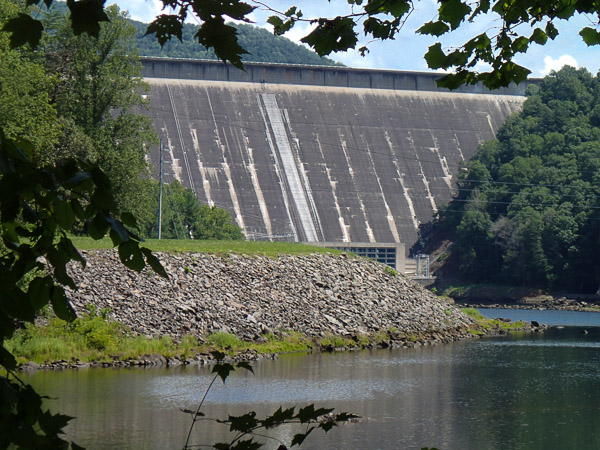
<point x="314" y="154"/>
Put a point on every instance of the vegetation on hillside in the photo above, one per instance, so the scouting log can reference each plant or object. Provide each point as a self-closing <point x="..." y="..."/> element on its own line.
<point x="528" y="204"/>
<point x="261" y="44"/>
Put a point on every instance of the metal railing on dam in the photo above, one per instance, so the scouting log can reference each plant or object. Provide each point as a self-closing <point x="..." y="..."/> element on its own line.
<point x="330" y="159"/>
<point x="333" y="76"/>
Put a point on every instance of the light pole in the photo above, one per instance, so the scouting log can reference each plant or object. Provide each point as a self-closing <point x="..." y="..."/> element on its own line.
<point x="160" y="174"/>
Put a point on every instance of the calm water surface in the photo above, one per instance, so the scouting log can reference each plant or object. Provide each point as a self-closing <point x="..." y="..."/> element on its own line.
<point x="535" y="392"/>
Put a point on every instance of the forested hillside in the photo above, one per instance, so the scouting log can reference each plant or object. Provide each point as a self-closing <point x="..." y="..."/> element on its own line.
<point x="80" y="97"/>
<point x="528" y="206"/>
<point x="261" y="44"/>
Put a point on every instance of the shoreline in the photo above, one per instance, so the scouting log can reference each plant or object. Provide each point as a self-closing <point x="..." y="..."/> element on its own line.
<point x="560" y="304"/>
<point x="396" y="341"/>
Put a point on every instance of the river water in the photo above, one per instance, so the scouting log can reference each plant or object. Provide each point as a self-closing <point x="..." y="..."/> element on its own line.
<point x="539" y="391"/>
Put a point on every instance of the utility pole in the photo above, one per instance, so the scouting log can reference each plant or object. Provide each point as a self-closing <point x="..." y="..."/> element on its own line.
<point x="160" y="174"/>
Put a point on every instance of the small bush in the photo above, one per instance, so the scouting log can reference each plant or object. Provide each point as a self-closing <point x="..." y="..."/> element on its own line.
<point x="390" y="271"/>
<point x="224" y="341"/>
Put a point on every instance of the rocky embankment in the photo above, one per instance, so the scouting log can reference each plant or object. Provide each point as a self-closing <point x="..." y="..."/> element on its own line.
<point x="248" y="296"/>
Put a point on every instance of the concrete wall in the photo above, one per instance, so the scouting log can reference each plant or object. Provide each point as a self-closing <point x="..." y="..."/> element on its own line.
<point x="190" y="69"/>
<point x="301" y="162"/>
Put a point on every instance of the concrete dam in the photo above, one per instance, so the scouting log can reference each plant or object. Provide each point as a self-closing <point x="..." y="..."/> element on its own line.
<point x="318" y="154"/>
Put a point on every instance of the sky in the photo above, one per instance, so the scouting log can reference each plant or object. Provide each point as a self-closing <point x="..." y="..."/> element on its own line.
<point x="406" y="51"/>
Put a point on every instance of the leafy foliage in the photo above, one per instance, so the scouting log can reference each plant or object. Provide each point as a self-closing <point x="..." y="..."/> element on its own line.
<point x="245" y="428"/>
<point x="43" y="197"/>
<point x="38" y="207"/>
<point x="527" y="209"/>
<point x="184" y="218"/>
<point x="98" y="88"/>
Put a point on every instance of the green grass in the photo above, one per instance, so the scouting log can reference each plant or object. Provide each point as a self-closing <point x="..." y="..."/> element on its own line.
<point x="271" y="249"/>
<point x="491" y="324"/>
<point x="94" y="338"/>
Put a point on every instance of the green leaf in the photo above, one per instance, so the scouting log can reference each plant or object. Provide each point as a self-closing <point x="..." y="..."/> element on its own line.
<point x="61" y="305"/>
<point x="377" y="28"/>
<point x="7" y="359"/>
<point x="452" y="80"/>
<point x="398" y="8"/>
<point x="119" y="229"/>
<point x="129" y="219"/>
<point x="453" y="12"/>
<point x="98" y="227"/>
<point x="520" y="44"/>
<point x="243" y="423"/>
<point x="164" y="27"/>
<point x="217" y="355"/>
<point x="77" y="209"/>
<point x="78" y="179"/>
<point x="59" y="259"/>
<point x="434" y="28"/>
<point x="17" y="305"/>
<point x="309" y="413"/>
<point x="154" y="262"/>
<point x="278" y="417"/>
<point x="23" y="29"/>
<point x="590" y="36"/>
<point x="66" y="246"/>
<point x="279" y="26"/>
<point x="39" y="291"/>
<point x="28" y="213"/>
<point x="223" y="39"/>
<point x="64" y="215"/>
<point x="435" y="57"/>
<point x="131" y="256"/>
<point x="551" y="30"/>
<point x="345" y="417"/>
<point x="86" y="16"/>
<point x="53" y="424"/>
<point x="223" y="370"/>
<point x="332" y="35"/>
<point x="538" y="36"/>
<point x="327" y="425"/>
<point x="7" y="326"/>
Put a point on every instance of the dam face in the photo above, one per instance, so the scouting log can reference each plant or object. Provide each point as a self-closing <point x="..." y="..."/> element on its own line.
<point x="361" y="156"/>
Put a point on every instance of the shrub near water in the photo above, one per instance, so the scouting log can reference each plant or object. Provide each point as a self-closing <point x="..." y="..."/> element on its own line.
<point x="87" y="337"/>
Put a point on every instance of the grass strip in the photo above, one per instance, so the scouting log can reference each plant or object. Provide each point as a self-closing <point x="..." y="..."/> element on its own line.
<point x="486" y="325"/>
<point x="262" y="248"/>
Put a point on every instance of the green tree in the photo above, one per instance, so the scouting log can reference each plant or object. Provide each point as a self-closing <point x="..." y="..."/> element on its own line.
<point x="25" y="89"/>
<point x="539" y="181"/>
<point x="98" y="90"/>
<point x="184" y="218"/>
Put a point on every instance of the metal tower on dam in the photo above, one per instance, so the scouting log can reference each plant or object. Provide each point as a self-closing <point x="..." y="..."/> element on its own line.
<point x="318" y="154"/>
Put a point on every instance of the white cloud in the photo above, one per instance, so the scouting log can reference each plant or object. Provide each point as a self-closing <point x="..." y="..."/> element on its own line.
<point x="551" y="64"/>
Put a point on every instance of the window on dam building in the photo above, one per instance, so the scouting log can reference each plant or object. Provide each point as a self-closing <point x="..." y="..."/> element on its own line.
<point x="384" y="255"/>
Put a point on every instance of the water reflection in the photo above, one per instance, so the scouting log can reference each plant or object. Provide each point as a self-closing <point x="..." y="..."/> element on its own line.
<point x="533" y="392"/>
